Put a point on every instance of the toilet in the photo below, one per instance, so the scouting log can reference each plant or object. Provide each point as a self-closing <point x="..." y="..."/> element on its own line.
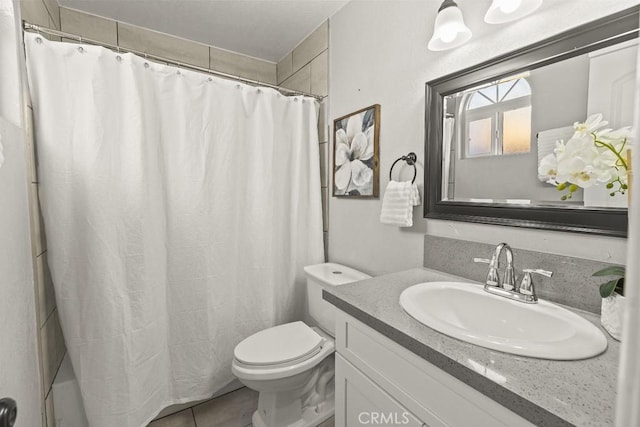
<point x="291" y="366"/>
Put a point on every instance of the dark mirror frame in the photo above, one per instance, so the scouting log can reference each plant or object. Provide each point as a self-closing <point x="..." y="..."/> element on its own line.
<point x="595" y="35"/>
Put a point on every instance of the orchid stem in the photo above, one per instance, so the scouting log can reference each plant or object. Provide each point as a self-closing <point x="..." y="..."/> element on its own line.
<point x="612" y="149"/>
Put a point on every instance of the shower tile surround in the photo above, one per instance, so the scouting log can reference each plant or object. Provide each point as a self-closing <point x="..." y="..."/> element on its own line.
<point x="312" y="53"/>
<point x="50" y="339"/>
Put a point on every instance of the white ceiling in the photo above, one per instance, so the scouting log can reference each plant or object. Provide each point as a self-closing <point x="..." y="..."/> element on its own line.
<point x="266" y="29"/>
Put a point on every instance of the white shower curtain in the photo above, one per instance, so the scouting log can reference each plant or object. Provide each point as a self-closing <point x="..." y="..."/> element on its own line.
<point x="179" y="210"/>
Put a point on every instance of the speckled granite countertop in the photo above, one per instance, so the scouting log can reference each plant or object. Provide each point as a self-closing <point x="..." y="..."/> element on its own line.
<point x="545" y="392"/>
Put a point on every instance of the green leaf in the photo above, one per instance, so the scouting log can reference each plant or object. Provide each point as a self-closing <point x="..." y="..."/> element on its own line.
<point x="606" y="289"/>
<point x="610" y="271"/>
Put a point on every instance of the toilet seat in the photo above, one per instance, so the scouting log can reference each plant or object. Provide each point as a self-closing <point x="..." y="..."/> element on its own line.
<point x="287" y="368"/>
<point x="279" y="345"/>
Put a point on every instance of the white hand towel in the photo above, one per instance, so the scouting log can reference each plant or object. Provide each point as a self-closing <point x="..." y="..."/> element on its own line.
<point x="398" y="202"/>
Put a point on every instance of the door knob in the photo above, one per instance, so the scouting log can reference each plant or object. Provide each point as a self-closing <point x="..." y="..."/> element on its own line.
<point x="8" y="412"/>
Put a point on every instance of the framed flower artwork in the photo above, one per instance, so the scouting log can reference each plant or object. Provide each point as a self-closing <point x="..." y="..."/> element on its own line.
<point x="355" y="153"/>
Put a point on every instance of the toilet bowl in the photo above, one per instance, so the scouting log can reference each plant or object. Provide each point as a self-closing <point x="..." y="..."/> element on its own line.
<point x="291" y="366"/>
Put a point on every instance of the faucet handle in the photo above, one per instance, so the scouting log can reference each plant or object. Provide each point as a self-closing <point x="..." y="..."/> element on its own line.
<point x="540" y="271"/>
<point x="493" y="262"/>
<point x="492" y="276"/>
<point x="526" y="286"/>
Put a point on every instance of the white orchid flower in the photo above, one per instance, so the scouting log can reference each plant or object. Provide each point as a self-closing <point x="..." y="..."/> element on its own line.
<point x="576" y="171"/>
<point x="592" y="124"/>
<point x="617" y="135"/>
<point x="594" y="155"/>
<point x="548" y="169"/>
<point x="559" y="147"/>
<point x="353" y="148"/>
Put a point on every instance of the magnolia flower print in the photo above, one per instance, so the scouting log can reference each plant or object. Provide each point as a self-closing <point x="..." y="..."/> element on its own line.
<point x="354" y="154"/>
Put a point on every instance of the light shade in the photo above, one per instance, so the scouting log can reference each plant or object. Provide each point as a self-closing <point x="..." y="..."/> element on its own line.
<point x="450" y="30"/>
<point x="502" y="11"/>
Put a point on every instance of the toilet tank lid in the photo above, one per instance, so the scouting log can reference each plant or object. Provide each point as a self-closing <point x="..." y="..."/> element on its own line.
<point x="333" y="274"/>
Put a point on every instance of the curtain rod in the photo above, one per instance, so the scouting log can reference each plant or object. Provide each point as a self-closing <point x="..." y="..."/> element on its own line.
<point x="29" y="26"/>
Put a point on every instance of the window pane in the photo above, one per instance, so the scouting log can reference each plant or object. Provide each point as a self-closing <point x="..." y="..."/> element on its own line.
<point x="479" y="137"/>
<point x="520" y="88"/>
<point x="491" y="93"/>
<point x="505" y="88"/>
<point x="477" y="101"/>
<point x="516" y="131"/>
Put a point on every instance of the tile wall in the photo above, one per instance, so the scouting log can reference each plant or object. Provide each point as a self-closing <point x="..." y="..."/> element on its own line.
<point x="175" y="48"/>
<point x="45" y="13"/>
<point x="306" y="68"/>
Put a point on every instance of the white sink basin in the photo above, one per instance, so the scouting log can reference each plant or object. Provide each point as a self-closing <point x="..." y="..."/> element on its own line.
<point x="467" y="312"/>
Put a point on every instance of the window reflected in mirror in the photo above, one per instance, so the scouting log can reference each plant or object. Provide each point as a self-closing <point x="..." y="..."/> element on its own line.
<point x="495" y="134"/>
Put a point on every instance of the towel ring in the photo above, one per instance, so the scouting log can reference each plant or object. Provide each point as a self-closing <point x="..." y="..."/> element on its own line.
<point x="411" y="161"/>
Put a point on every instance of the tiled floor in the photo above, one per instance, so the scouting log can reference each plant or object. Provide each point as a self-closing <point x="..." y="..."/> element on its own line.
<point x="231" y="410"/>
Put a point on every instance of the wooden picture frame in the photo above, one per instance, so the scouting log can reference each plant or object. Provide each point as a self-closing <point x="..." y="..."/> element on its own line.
<point x="356" y="172"/>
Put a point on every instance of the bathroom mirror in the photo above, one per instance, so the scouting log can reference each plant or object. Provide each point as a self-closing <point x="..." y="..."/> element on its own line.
<point x="488" y="127"/>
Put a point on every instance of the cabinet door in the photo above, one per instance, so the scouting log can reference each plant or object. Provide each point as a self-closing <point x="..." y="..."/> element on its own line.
<point x="431" y="394"/>
<point x="360" y="402"/>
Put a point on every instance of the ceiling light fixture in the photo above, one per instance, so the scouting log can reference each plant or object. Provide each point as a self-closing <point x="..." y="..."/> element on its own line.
<point x="450" y="30"/>
<point x="502" y="11"/>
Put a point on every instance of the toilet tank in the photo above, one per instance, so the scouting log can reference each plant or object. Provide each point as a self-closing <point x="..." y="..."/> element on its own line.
<point x="327" y="275"/>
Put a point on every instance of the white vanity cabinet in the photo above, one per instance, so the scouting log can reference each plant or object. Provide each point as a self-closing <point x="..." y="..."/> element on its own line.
<point x="364" y="403"/>
<point x="379" y="382"/>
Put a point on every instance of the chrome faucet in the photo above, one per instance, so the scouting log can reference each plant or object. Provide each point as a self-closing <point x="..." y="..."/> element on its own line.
<point x="493" y="277"/>
<point x="525" y="292"/>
